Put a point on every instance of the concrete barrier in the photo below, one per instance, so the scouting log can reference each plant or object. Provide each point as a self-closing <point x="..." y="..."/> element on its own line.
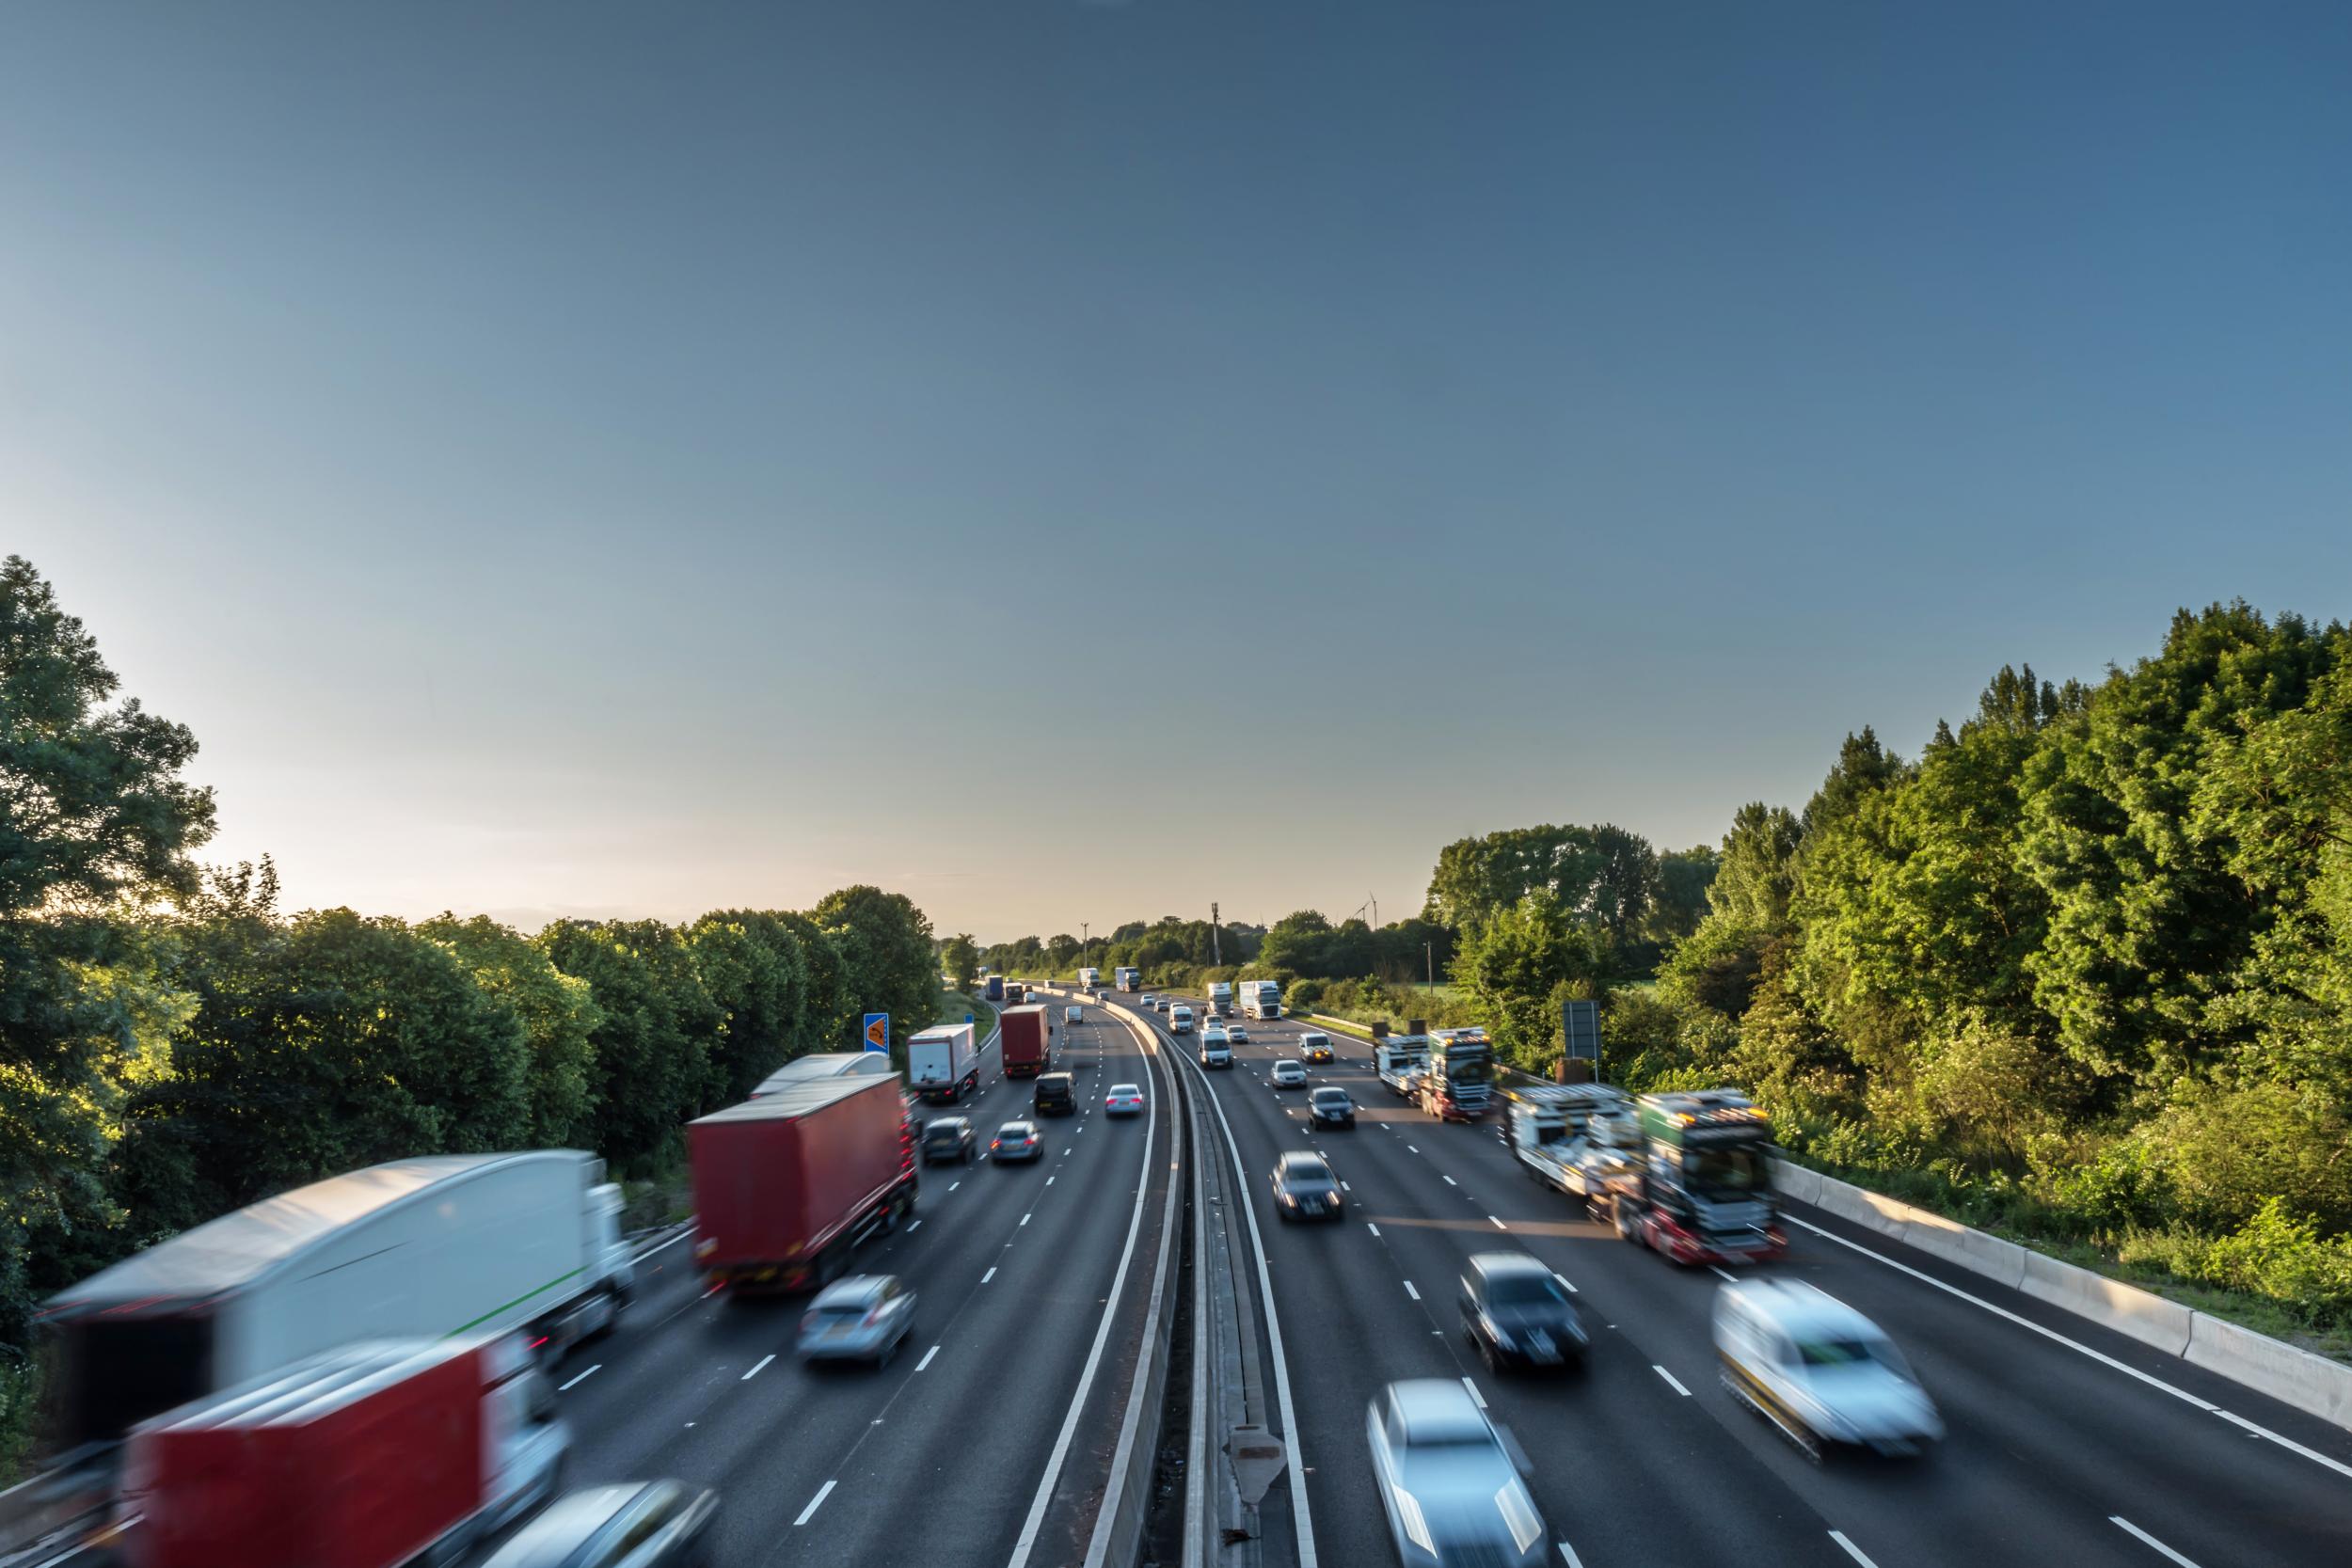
<point x="2003" y="1262"/>
<point x="2296" y="1377"/>
<point x="2125" y="1308"/>
<point x="1801" y="1183"/>
<point x="1869" y="1209"/>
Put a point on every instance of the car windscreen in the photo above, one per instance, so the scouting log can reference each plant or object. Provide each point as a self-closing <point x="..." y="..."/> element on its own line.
<point x="1525" y="1290"/>
<point x="1850" y="1352"/>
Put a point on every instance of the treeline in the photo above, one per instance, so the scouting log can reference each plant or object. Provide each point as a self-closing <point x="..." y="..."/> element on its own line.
<point x="2083" y="967"/>
<point x="173" y="1046"/>
<point x="1162" y="949"/>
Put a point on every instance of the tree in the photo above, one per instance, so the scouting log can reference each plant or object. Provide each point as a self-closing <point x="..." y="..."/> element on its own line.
<point x="1683" y="879"/>
<point x="1757" y="873"/>
<point x="1864" y="767"/>
<point x="750" y="964"/>
<point x="95" y="820"/>
<point x="886" y="945"/>
<point x="1518" y="965"/>
<point x="961" y="957"/>
<point x="555" y="1011"/>
<point x="653" y="1038"/>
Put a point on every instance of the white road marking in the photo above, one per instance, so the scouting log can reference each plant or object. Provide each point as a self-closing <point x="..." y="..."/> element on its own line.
<point x="2288" y="1443"/>
<point x="1049" y="1181"/>
<point x="1725" y="1273"/>
<point x="663" y="1246"/>
<point x="1565" y="1283"/>
<point x="990" y="1274"/>
<point x="2127" y="1526"/>
<point x="1496" y="1222"/>
<point x="1414" y="1150"/>
<point x="1677" y="1387"/>
<point x="756" y="1370"/>
<point x="583" y="1377"/>
<point x="926" y="1358"/>
<point x="716" y="1285"/>
<point x="1374" y="1229"/>
<point x="1345" y="1188"/>
<point x="815" y="1503"/>
<point x="1855" y="1552"/>
<point x="915" y="1227"/>
<point x="1567" y="1555"/>
<point x="1450" y="1181"/>
<point x="1476" y="1398"/>
<point x="1410" y="1292"/>
<point x="953" y="1186"/>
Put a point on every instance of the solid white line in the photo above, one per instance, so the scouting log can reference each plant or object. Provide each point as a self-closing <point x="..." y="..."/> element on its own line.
<point x="2103" y="1359"/>
<point x="663" y="1246"/>
<point x="1476" y="1398"/>
<point x="756" y="1370"/>
<point x="2118" y="1520"/>
<point x="1669" y="1380"/>
<point x="583" y="1377"/>
<point x="990" y="1274"/>
<point x="1725" y="1273"/>
<point x="1410" y="1292"/>
<point x="815" y="1503"/>
<point x="1036" y="1519"/>
<point x="1855" y="1552"/>
<point x="1567" y="1555"/>
<point x="926" y="1358"/>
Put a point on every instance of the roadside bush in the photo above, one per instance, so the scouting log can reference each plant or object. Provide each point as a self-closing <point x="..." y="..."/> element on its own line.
<point x="2275" y="1255"/>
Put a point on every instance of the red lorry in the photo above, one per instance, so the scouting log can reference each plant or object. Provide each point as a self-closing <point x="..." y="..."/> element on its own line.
<point x="785" y="1187"/>
<point x="374" y="1455"/>
<point x="1026" y="1042"/>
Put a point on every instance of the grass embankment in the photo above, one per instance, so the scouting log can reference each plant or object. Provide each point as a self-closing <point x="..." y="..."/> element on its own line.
<point x="954" y="1005"/>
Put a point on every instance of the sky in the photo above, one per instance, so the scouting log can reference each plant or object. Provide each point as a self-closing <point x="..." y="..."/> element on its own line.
<point x="1075" y="462"/>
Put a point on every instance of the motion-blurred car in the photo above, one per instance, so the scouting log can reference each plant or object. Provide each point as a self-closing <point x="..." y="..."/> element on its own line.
<point x="1451" y="1482"/>
<point x="1016" y="1140"/>
<point x="948" y="1138"/>
<point x="1304" y="1189"/>
<point x="862" y="1318"/>
<point x="1518" y="1314"/>
<point x="1820" y="1371"/>
<point x="1237" y="1031"/>
<point x="1314" y="1048"/>
<point x="1330" y="1107"/>
<point x="650" y="1523"/>
<point x="1287" y="1074"/>
<point x="1125" y="1099"/>
<point x="1074" y="1015"/>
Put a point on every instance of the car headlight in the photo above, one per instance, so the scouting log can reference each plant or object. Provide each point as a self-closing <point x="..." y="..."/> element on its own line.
<point x="1408" y="1514"/>
<point x="1289" y="1199"/>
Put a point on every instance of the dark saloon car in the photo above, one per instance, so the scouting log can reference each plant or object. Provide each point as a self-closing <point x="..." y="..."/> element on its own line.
<point x="1328" y="1107"/>
<point x="1304" y="1189"/>
<point x="1518" y="1314"/>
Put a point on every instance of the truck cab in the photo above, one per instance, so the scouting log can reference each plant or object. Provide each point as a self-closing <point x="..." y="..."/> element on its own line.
<point x="1461" y="1079"/>
<point x="1220" y="999"/>
<point x="1700" y="1189"/>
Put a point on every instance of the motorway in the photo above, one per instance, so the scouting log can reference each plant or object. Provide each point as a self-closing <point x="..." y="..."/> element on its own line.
<point x="975" y="1444"/>
<point x="2067" y="1443"/>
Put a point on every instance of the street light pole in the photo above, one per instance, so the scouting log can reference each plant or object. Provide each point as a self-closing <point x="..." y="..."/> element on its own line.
<point x="1085" y="943"/>
<point x="1429" y="951"/>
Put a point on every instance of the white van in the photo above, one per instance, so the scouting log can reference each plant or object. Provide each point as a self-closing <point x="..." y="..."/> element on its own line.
<point x="1180" y="1019"/>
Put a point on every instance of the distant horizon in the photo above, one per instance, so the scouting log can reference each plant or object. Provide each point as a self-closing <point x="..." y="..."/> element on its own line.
<point x="1078" y="463"/>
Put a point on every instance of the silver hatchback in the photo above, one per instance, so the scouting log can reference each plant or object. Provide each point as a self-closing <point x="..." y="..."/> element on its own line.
<point x="1452" y="1482"/>
<point x="862" y="1318"/>
<point x="1820" y="1371"/>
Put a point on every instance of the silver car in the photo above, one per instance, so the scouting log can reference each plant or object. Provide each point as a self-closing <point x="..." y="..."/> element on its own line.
<point x="1451" y="1482"/>
<point x="1820" y="1371"/>
<point x="862" y="1318"/>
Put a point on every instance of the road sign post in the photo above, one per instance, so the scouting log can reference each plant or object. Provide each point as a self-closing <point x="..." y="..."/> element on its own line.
<point x="878" y="1031"/>
<point x="1579" y="1025"/>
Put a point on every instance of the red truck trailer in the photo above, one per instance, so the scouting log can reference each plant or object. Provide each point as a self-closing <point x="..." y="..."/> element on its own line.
<point x="785" y="1187"/>
<point x="367" y="1457"/>
<point x="1027" y="1043"/>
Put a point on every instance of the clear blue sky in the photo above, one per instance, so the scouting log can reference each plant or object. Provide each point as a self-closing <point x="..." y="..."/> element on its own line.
<point x="1077" y="461"/>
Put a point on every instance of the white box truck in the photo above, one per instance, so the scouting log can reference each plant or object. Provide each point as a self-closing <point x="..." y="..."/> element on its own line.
<point x="1260" y="999"/>
<point x="1089" y="978"/>
<point x="437" y="1245"/>
<point x="1125" y="978"/>
<point x="1220" y="999"/>
<point x="942" y="1064"/>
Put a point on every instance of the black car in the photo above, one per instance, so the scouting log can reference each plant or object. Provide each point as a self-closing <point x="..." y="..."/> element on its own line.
<point x="1328" y="1107"/>
<point x="1304" y="1189"/>
<point x="948" y="1138"/>
<point x="1056" y="1096"/>
<point x="640" y="1523"/>
<point x="1518" y="1313"/>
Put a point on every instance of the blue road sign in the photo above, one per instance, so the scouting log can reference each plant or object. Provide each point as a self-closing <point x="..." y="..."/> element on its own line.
<point x="878" y="1031"/>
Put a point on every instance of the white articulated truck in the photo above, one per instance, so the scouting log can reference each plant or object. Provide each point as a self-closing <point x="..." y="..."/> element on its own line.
<point x="1089" y="978"/>
<point x="438" y="1246"/>
<point x="1127" y="978"/>
<point x="942" y="1064"/>
<point x="1220" y="999"/>
<point x="1260" y="999"/>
